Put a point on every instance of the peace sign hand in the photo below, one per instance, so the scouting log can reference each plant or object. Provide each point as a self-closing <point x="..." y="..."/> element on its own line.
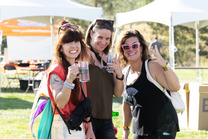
<point x="156" y="57"/>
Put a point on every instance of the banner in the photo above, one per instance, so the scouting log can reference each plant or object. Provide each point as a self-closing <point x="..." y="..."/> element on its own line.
<point x="17" y="27"/>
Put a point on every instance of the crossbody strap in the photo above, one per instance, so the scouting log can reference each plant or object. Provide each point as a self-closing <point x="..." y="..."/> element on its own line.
<point x="149" y="76"/>
<point x="83" y="90"/>
<point x="62" y="117"/>
<point x="56" y="107"/>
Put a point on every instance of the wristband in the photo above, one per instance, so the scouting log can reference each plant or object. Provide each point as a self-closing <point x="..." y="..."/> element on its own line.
<point x="126" y="127"/>
<point x="71" y="86"/>
<point x="166" y="67"/>
<point x="120" y="78"/>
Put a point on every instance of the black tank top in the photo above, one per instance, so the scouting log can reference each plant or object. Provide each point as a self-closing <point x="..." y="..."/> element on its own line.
<point x="156" y="113"/>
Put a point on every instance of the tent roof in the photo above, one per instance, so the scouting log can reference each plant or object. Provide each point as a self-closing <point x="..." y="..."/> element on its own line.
<point x="168" y="12"/>
<point x="41" y="10"/>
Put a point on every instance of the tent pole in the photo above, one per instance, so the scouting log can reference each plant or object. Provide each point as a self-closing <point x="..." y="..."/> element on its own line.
<point x="114" y="38"/>
<point x="172" y="49"/>
<point x="171" y="46"/>
<point x="52" y="33"/>
<point x="197" y="47"/>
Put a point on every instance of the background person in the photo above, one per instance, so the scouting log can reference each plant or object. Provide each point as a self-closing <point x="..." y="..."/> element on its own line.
<point x="63" y="86"/>
<point x="156" y="43"/>
<point x="103" y="85"/>
<point x="154" y="116"/>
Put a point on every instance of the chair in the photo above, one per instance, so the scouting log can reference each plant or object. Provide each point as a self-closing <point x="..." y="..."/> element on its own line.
<point x="12" y="76"/>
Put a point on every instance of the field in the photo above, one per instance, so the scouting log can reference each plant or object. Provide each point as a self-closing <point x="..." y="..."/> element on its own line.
<point x="15" y="108"/>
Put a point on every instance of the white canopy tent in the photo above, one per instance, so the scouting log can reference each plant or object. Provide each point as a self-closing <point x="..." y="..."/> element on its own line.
<point x="47" y="11"/>
<point x="42" y="10"/>
<point x="192" y="14"/>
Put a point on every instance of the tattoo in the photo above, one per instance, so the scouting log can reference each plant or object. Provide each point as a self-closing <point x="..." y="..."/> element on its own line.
<point x="56" y="84"/>
<point x="55" y="79"/>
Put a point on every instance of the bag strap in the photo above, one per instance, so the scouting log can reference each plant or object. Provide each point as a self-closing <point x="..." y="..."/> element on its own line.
<point x="56" y="107"/>
<point x="149" y="76"/>
<point x="82" y="89"/>
<point x="62" y="117"/>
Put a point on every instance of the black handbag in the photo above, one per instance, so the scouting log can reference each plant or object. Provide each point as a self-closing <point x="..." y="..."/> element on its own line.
<point x="82" y="111"/>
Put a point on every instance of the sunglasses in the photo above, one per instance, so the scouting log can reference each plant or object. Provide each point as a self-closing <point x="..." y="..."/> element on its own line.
<point x="102" y="22"/>
<point x="66" y="26"/>
<point x="128" y="46"/>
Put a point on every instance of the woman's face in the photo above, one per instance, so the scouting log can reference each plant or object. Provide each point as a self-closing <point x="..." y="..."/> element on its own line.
<point x="133" y="54"/>
<point x="100" y="39"/>
<point x="71" y="50"/>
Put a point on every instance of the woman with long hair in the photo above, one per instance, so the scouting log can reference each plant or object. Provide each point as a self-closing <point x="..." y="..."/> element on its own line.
<point x="103" y="85"/>
<point x="63" y="85"/>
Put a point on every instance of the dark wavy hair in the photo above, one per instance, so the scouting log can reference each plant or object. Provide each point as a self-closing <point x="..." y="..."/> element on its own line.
<point x="121" y="40"/>
<point x="94" y="27"/>
<point x="67" y="36"/>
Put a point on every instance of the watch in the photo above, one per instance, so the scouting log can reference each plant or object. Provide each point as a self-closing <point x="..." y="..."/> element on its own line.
<point x="120" y="78"/>
<point x="166" y="67"/>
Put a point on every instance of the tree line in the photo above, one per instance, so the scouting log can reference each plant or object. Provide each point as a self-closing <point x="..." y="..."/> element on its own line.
<point x="184" y="37"/>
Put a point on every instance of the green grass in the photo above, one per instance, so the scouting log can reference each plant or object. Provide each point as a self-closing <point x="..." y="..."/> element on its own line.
<point x="15" y="108"/>
<point x="190" y="75"/>
<point x="15" y="111"/>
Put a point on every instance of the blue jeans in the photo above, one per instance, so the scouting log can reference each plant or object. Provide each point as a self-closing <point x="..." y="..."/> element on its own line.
<point x="103" y="128"/>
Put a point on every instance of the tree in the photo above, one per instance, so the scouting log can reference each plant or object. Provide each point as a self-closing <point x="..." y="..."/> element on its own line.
<point x="184" y="37"/>
<point x="4" y="44"/>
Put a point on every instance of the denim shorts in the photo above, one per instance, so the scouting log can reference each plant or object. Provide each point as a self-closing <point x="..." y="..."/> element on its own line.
<point x="103" y="128"/>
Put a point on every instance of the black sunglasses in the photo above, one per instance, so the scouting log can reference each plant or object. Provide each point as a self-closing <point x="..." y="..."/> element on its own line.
<point x="66" y="26"/>
<point x="102" y="22"/>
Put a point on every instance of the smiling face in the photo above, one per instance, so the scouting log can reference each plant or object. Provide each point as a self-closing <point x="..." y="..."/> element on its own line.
<point x="100" y="40"/>
<point x="71" y="51"/>
<point x="133" y="54"/>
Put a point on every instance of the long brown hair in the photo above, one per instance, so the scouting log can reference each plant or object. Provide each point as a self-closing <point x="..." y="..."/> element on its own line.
<point x="67" y="36"/>
<point x="121" y="40"/>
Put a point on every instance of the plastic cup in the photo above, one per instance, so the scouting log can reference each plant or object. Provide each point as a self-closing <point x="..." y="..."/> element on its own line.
<point x="110" y="57"/>
<point x="84" y="75"/>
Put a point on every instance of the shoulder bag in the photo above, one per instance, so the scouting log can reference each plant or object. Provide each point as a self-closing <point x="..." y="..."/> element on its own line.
<point x="174" y="97"/>
<point x="82" y="111"/>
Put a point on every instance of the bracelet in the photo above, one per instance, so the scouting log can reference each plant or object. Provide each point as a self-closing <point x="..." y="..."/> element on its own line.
<point x="71" y="86"/>
<point x="166" y="67"/>
<point x="125" y="127"/>
<point x="120" y="78"/>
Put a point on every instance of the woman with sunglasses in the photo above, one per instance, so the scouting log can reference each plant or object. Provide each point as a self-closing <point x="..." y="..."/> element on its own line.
<point x="103" y="85"/>
<point x="63" y="86"/>
<point x="153" y="114"/>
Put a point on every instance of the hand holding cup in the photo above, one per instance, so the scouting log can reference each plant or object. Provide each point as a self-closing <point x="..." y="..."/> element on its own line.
<point x="83" y="71"/>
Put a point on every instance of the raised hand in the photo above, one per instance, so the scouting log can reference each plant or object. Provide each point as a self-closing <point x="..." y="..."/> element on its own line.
<point x="156" y="57"/>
